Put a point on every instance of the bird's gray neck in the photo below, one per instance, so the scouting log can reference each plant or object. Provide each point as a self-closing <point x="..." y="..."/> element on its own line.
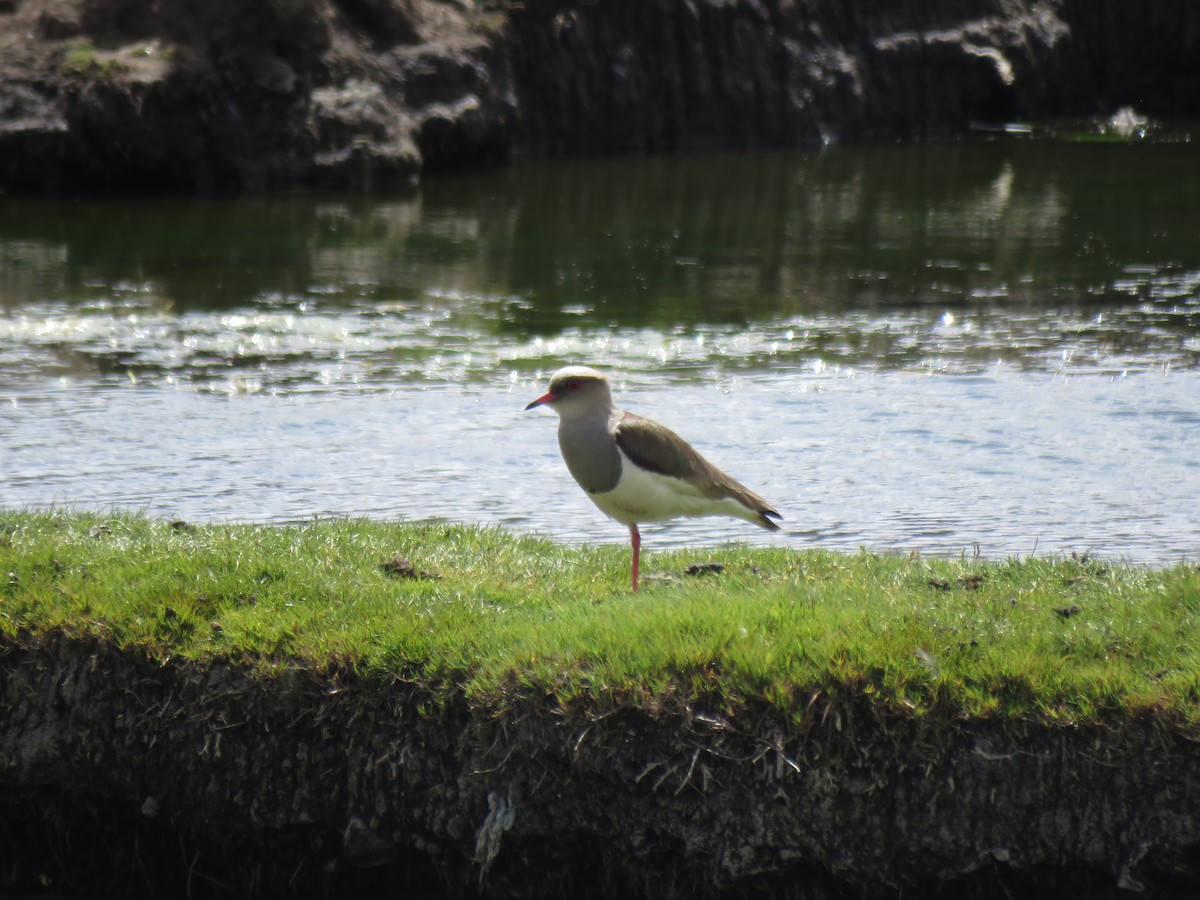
<point x="590" y="451"/>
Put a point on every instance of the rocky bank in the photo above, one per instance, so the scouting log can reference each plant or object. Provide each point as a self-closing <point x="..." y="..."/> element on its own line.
<point x="225" y="95"/>
<point x="124" y="775"/>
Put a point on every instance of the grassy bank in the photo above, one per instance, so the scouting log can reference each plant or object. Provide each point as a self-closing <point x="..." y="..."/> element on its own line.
<point x="504" y="619"/>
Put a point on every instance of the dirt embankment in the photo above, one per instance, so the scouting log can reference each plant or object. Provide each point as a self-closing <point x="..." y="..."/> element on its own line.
<point x="119" y="774"/>
<point x="217" y="95"/>
<point x="225" y="95"/>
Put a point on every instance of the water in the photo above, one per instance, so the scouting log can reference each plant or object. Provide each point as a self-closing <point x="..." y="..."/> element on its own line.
<point x="975" y="347"/>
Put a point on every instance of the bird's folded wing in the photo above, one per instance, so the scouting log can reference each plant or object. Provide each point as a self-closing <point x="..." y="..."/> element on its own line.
<point x="658" y="449"/>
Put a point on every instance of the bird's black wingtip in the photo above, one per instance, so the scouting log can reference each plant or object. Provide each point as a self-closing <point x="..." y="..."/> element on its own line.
<point x="765" y="517"/>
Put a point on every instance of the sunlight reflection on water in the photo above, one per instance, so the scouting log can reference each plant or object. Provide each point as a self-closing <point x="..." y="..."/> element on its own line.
<point x="441" y="342"/>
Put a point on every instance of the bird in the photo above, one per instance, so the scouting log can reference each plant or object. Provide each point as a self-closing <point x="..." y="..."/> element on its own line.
<point x="634" y="469"/>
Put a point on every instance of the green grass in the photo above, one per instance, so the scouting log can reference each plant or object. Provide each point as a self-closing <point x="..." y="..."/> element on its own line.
<point x="512" y="620"/>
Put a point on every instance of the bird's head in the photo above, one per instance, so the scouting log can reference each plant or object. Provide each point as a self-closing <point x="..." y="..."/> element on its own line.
<point x="576" y="390"/>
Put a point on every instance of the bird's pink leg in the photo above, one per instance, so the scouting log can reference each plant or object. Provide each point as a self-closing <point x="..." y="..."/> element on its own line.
<point x="636" y="538"/>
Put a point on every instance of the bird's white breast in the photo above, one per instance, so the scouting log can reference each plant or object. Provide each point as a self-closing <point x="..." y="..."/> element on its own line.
<point x="643" y="496"/>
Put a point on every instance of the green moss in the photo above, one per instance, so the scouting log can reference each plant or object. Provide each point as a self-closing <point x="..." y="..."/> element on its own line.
<point x="506" y="619"/>
<point x="81" y="60"/>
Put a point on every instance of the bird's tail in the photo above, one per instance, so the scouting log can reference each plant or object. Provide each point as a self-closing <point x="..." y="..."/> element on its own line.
<point x="764" y="519"/>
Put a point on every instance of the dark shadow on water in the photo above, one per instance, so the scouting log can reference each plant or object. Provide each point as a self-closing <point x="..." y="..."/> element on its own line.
<point x="660" y="242"/>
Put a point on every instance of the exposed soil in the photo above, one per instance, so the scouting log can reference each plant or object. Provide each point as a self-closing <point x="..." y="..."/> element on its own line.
<point x="122" y="775"/>
<point x="226" y="95"/>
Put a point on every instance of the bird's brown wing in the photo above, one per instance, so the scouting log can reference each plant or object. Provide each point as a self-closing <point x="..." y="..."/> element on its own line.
<point x="658" y="449"/>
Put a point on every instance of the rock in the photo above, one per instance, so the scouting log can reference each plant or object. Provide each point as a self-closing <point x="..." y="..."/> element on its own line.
<point x="59" y="20"/>
<point x="32" y="127"/>
<point x="387" y="22"/>
<point x="351" y="93"/>
<point x="270" y="72"/>
<point x="399" y="567"/>
<point x="363" y="139"/>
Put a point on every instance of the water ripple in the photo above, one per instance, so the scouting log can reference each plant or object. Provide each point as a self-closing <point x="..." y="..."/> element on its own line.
<point x="445" y="339"/>
<point x="909" y="348"/>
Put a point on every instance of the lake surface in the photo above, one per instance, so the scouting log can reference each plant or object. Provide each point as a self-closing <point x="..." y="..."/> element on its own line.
<point x="981" y="346"/>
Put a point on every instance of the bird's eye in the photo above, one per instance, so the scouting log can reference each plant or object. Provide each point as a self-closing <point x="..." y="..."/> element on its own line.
<point x="572" y="384"/>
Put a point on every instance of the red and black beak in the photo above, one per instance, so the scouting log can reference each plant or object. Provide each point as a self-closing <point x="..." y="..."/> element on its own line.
<point x="548" y="397"/>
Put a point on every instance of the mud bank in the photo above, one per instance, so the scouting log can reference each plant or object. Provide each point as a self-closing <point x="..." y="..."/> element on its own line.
<point x="223" y="95"/>
<point x="125" y="775"/>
